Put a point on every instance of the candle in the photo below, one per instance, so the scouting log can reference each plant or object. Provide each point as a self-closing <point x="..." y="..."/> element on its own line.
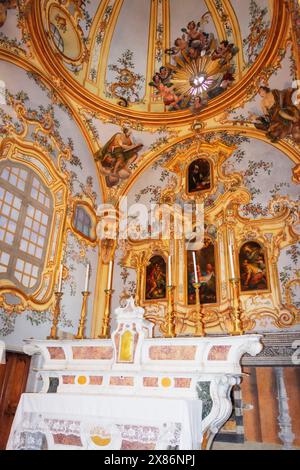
<point x="60" y="277"/>
<point x="170" y="270"/>
<point x="195" y="268"/>
<point x="109" y="275"/>
<point x="86" y="286"/>
<point x="231" y="262"/>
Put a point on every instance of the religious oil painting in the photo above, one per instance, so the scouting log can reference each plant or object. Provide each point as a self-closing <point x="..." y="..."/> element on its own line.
<point x="253" y="269"/>
<point x="199" y="176"/>
<point x="206" y="271"/>
<point x="156" y="283"/>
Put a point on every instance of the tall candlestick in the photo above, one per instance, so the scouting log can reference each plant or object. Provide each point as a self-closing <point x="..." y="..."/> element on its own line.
<point x="170" y="270"/>
<point x="109" y="275"/>
<point x="195" y="268"/>
<point x="231" y="262"/>
<point x="60" y="278"/>
<point x="86" y="286"/>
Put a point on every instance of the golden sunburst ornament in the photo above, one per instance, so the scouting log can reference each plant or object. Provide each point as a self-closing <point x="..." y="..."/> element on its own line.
<point x="194" y="77"/>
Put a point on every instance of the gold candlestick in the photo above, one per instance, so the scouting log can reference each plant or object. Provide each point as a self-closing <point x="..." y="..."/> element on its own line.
<point x="105" y="332"/>
<point x="199" y="321"/>
<point x="56" y="315"/>
<point x="81" y="328"/>
<point x="170" y="317"/>
<point x="237" y="309"/>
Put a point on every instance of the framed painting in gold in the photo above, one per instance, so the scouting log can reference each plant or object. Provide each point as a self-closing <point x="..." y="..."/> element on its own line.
<point x="199" y="176"/>
<point x="207" y="274"/>
<point x="253" y="268"/>
<point x="156" y="279"/>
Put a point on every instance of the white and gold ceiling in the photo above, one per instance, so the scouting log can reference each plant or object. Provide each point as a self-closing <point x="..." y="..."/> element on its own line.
<point x="109" y="51"/>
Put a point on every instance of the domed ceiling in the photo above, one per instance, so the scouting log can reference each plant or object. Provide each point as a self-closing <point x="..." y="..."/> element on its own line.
<point x="157" y="57"/>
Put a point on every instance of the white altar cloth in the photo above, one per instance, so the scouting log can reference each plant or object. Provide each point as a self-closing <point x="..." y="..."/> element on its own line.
<point x="105" y="423"/>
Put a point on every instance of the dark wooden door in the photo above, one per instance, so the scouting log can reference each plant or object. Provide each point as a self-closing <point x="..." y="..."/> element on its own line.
<point x="13" y="378"/>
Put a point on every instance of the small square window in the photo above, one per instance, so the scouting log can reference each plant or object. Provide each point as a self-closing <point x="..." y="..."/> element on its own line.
<point x="17" y="203"/>
<point x="35" y="271"/>
<point x="5" y="209"/>
<point x="13" y="180"/>
<point x="33" y="237"/>
<point x="25" y="281"/>
<point x="2" y="234"/>
<point x="28" y="222"/>
<point x="23" y="245"/>
<point x="39" y="253"/>
<point x="26" y="234"/>
<point x="31" y="249"/>
<point x="34" y="193"/>
<point x="20" y="264"/>
<point x="38" y="215"/>
<point x="3" y="221"/>
<point x="18" y="276"/>
<point x="15" y="214"/>
<point x="30" y="211"/>
<point x="8" y="197"/>
<point x="11" y="226"/>
<point x="9" y="238"/>
<point x="41" y="241"/>
<point x="28" y="268"/>
<point x="5" y="258"/>
<point x="5" y="174"/>
<point x="36" y="227"/>
<point x="45" y="219"/>
<point x="21" y="185"/>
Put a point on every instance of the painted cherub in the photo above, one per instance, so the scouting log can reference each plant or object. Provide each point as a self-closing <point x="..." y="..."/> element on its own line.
<point x="224" y="52"/>
<point x="169" y="96"/>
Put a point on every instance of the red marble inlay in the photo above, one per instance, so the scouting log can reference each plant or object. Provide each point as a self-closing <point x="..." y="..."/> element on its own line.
<point x="172" y="353"/>
<point x="182" y="382"/>
<point x="96" y="380"/>
<point x="92" y="352"/>
<point x="150" y="381"/>
<point x="69" y="440"/>
<point x="219" y="353"/>
<point x="121" y="381"/>
<point x="56" y="353"/>
<point x="69" y="379"/>
<point x="136" y="445"/>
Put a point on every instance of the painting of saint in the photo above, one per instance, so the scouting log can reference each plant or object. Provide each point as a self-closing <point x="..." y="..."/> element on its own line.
<point x="156" y="284"/>
<point x="117" y="155"/>
<point x="206" y="267"/>
<point x="253" y="271"/>
<point x="199" y="176"/>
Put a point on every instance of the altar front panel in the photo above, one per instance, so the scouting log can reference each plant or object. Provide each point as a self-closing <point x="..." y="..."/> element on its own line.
<point x="84" y="422"/>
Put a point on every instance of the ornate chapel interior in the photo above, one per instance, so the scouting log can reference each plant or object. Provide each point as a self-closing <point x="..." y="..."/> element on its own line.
<point x="149" y="224"/>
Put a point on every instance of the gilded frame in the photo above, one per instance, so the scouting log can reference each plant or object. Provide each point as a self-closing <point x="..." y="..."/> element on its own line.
<point x="26" y="153"/>
<point x="144" y="278"/>
<point x="255" y="291"/>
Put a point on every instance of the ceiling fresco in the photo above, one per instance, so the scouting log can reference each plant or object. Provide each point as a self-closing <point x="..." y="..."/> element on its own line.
<point x="189" y="52"/>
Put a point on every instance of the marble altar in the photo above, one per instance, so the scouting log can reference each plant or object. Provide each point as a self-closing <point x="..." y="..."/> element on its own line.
<point x="180" y="386"/>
